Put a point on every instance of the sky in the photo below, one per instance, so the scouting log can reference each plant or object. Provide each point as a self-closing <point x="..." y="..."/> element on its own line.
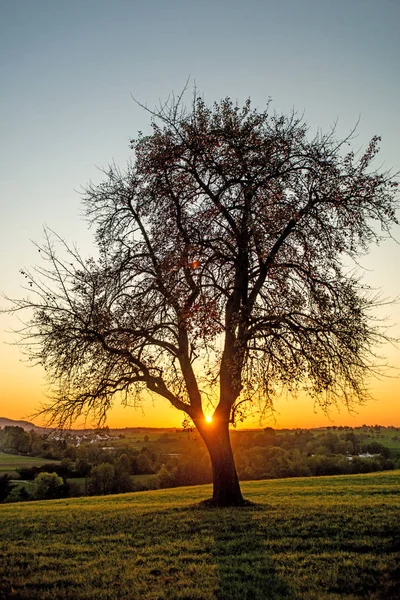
<point x="68" y="73"/>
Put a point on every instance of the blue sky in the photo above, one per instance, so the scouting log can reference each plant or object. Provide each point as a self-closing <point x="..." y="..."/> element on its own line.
<point x="69" y="69"/>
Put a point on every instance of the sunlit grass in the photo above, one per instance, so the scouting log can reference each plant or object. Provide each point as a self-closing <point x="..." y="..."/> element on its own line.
<point x="311" y="538"/>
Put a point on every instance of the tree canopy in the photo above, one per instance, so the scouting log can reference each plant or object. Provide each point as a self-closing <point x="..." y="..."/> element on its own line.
<point x="222" y="276"/>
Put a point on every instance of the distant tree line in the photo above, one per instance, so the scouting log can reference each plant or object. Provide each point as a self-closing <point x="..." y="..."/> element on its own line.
<point x="181" y="459"/>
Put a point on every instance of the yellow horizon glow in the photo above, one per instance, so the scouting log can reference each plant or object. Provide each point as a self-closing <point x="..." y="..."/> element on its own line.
<point x="22" y="397"/>
<point x="24" y="390"/>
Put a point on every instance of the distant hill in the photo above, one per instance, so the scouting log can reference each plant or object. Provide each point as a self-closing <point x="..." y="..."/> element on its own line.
<point x="27" y="425"/>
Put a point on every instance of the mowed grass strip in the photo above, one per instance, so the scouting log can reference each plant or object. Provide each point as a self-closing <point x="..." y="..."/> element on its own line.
<point x="314" y="538"/>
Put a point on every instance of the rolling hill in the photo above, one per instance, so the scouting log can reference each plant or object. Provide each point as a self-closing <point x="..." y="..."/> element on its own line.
<point x="315" y="538"/>
<point x="27" y="425"/>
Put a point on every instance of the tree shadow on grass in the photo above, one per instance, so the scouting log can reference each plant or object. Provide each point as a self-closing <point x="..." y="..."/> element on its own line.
<point x="244" y="569"/>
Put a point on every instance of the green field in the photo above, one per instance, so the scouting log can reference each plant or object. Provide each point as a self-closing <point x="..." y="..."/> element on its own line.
<point x="10" y="462"/>
<point x="315" y="538"/>
<point x="387" y="438"/>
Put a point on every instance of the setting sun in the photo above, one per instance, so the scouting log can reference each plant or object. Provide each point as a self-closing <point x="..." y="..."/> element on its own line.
<point x="208" y="418"/>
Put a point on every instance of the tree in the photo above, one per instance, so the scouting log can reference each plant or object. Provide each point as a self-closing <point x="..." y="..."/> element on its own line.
<point x="48" y="486"/>
<point x="102" y="479"/>
<point x="5" y="486"/>
<point x="221" y="277"/>
<point x="123" y="482"/>
<point x="165" y="478"/>
<point x="144" y="465"/>
<point x="18" y="494"/>
<point x="15" y="439"/>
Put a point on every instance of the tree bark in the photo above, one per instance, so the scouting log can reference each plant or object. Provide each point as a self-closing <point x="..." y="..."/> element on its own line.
<point x="226" y="487"/>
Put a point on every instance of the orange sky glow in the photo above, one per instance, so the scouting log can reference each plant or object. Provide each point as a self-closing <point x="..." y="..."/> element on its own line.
<point x="23" y="389"/>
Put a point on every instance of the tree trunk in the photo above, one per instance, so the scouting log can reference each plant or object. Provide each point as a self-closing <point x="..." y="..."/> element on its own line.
<point x="226" y="487"/>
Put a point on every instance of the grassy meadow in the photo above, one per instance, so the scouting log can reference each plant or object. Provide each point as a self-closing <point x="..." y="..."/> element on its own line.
<point x="386" y="438"/>
<point x="10" y="462"/>
<point x="314" y="538"/>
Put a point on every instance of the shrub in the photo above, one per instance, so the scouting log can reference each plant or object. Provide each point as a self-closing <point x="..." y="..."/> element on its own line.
<point x="18" y="494"/>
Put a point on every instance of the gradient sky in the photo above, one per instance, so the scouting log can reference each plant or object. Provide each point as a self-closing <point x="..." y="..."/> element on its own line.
<point x="68" y="71"/>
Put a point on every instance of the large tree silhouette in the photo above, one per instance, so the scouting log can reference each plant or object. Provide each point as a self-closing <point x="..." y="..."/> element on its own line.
<point x="220" y="277"/>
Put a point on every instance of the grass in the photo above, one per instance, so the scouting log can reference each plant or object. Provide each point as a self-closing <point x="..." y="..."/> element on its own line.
<point x="390" y="439"/>
<point x="10" y="462"/>
<point x="315" y="538"/>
